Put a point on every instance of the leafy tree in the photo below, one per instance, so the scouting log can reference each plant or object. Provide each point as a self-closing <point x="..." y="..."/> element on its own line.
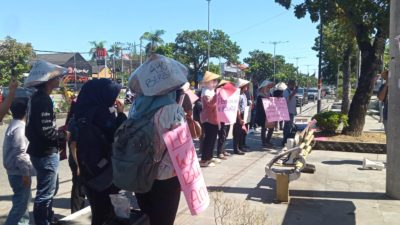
<point x="191" y="48"/>
<point x="116" y="50"/>
<point x="154" y="39"/>
<point x="215" y="68"/>
<point x="261" y="65"/>
<point x="166" y="50"/>
<point x="14" y="59"/>
<point x="369" y="21"/>
<point x="96" y="45"/>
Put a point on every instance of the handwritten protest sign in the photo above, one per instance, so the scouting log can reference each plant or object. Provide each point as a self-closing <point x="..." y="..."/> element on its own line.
<point x="183" y="156"/>
<point x="276" y="109"/>
<point x="247" y="114"/>
<point x="227" y="103"/>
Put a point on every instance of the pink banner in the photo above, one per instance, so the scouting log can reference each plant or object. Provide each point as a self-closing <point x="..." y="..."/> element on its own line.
<point x="183" y="155"/>
<point x="227" y="103"/>
<point x="276" y="109"/>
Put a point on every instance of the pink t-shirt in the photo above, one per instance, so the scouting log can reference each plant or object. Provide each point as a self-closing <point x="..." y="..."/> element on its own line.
<point x="209" y="112"/>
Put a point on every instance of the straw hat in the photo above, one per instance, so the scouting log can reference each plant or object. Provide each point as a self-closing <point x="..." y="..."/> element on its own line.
<point x="266" y="83"/>
<point x="43" y="71"/>
<point x="242" y="82"/>
<point x="281" y="86"/>
<point x="209" y="76"/>
<point x="223" y="82"/>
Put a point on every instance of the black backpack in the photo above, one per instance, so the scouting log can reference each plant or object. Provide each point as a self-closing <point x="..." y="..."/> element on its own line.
<point x="94" y="156"/>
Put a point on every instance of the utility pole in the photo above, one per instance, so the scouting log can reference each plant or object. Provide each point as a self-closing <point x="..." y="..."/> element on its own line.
<point x="275" y="43"/>
<point x="297" y="63"/>
<point x="209" y="37"/>
<point x="141" y="58"/>
<point x="321" y="38"/>
<point x="393" y="123"/>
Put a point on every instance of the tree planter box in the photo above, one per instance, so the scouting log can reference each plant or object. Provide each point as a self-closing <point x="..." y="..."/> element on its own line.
<point x="350" y="146"/>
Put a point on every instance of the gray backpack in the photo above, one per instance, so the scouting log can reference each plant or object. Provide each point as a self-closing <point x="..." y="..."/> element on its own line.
<point x="134" y="166"/>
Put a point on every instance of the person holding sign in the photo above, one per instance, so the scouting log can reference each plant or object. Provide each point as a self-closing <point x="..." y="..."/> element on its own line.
<point x="208" y="117"/>
<point x="290" y="96"/>
<point x="239" y="128"/>
<point x="261" y="117"/>
<point x="5" y="105"/>
<point x="222" y="132"/>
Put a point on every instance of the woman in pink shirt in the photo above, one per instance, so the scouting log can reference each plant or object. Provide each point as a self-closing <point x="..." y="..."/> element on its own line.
<point x="208" y="118"/>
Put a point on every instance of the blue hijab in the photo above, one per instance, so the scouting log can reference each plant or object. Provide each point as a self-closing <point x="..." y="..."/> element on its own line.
<point x="95" y="100"/>
<point x="147" y="105"/>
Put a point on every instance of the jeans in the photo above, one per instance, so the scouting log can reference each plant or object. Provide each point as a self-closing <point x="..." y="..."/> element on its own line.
<point x="47" y="169"/>
<point x="287" y="128"/>
<point x="19" y="213"/>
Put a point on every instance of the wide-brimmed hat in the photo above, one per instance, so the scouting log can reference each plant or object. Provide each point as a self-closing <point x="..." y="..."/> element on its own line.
<point x="43" y="71"/>
<point x="242" y="82"/>
<point x="266" y="83"/>
<point x="223" y="82"/>
<point x="281" y="86"/>
<point x="159" y="75"/>
<point x="209" y="76"/>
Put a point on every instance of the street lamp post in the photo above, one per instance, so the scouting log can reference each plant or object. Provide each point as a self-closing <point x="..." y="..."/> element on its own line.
<point x="275" y="43"/>
<point x="209" y="41"/>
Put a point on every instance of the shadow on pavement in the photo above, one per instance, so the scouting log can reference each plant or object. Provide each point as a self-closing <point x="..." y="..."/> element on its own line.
<point x="339" y="194"/>
<point x="343" y="162"/>
<point x="264" y="191"/>
<point x="319" y="211"/>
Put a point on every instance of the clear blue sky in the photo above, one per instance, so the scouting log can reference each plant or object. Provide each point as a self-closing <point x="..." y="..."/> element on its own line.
<point x="70" y="24"/>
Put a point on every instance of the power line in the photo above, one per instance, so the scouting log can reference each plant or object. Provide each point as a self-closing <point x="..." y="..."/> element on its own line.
<point x="260" y="23"/>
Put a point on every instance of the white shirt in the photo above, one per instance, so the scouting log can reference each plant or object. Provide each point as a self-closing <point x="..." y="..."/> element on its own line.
<point x="291" y="103"/>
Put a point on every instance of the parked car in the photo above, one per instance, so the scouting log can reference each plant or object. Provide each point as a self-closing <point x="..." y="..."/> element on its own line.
<point x="312" y="93"/>
<point x="301" y="97"/>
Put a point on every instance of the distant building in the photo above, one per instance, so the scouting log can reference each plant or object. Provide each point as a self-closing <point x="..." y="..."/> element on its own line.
<point x="74" y="64"/>
<point x="233" y="70"/>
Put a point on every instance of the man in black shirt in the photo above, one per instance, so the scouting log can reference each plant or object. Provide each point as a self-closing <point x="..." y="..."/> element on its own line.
<point x="43" y="137"/>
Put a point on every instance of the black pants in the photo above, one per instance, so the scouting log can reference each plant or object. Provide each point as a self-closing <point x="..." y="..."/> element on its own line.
<point x="238" y="136"/>
<point x="161" y="202"/>
<point x="210" y="137"/>
<point x="222" y="135"/>
<point x="77" y="192"/>
<point x="266" y="139"/>
<point x="100" y="204"/>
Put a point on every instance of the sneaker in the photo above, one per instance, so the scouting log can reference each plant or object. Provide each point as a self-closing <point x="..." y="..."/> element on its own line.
<point x="227" y="154"/>
<point x="222" y="156"/>
<point x="215" y="160"/>
<point x="238" y="152"/>
<point x="207" y="163"/>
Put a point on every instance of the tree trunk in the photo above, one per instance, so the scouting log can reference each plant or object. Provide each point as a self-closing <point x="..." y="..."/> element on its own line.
<point x="346" y="79"/>
<point x="359" y="105"/>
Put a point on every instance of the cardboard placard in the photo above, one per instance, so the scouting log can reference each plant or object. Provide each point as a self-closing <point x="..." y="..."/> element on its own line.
<point x="227" y="103"/>
<point x="276" y="109"/>
<point x="183" y="156"/>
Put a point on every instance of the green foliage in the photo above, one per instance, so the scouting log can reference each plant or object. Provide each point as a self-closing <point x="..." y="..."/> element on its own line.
<point x="329" y="121"/>
<point x="166" y="50"/>
<point x="191" y="48"/>
<point x="14" y="59"/>
<point x="215" y="68"/>
<point x="154" y="39"/>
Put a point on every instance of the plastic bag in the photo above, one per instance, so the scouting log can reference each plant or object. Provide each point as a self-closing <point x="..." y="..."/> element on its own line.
<point x="121" y="205"/>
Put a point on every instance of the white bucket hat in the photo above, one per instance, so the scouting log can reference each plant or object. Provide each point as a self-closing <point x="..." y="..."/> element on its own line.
<point x="43" y="71"/>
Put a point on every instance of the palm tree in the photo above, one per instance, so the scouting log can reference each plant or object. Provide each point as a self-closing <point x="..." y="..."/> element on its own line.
<point x="95" y="46"/>
<point x="154" y="39"/>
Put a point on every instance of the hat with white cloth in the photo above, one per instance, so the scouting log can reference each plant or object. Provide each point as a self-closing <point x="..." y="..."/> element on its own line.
<point x="43" y="71"/>
<point x="157" y="76"/>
